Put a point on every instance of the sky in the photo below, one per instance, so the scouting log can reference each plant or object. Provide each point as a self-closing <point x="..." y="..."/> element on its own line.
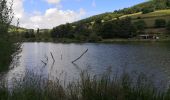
<point x="47" y="14"/>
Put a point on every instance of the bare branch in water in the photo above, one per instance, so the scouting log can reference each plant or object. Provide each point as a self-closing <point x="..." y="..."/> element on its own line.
<point x="45" y="63"/>
<point x="52" y="56"/>
<point x="80" y="56"/>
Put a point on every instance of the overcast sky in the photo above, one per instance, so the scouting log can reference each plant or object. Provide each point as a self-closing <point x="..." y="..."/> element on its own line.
<point x="51" y="13"/>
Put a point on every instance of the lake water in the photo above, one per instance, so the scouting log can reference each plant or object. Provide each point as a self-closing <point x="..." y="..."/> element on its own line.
<point x="149" y="58"/>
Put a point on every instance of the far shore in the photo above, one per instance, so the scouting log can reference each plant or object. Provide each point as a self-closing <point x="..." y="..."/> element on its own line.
<point x="133" y="40"/>
<point x="65" y="40"/>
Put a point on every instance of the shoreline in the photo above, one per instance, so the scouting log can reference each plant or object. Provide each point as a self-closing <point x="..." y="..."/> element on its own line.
<point x="102" y="41"/>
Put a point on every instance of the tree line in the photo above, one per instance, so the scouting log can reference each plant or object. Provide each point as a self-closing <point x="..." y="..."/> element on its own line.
<point x="119" y="28"/>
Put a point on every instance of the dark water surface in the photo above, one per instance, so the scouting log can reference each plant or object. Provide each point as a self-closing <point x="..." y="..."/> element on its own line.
<point x="149" y="58"/>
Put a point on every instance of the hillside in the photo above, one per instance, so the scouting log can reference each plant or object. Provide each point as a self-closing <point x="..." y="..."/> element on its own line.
<point x="13" y="29"/>
<point x="152" y="16"/>
<point x="148" y="6"/>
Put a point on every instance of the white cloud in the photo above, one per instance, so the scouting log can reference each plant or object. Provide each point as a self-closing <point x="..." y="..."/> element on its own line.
<point x="51" y="18"/>
<point x="54" y="17"/>
<point x="53" y="1"/>
<point x="18" y="8"/>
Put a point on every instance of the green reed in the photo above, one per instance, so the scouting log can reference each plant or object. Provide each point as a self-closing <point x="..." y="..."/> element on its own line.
<point x="88" y="87"/>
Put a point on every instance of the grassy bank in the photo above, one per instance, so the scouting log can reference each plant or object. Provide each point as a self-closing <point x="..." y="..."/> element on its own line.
<point x="6" y="50"/>
<point x="8" y="46"/>
<point x="105" y="87"/>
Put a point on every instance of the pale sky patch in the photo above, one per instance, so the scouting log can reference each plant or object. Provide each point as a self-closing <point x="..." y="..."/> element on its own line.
<point x="53" y="1"/>
<point x="51" y="18"/>
<point x="93" y="3"/>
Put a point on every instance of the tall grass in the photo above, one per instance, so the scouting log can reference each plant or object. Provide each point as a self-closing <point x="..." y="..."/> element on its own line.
<point x="7" y="49"/>
<point x="88" y="87"/>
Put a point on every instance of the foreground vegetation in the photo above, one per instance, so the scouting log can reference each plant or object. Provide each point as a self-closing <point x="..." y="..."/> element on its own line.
<point x="88" y="87"/>
<point x="7" y="47"/>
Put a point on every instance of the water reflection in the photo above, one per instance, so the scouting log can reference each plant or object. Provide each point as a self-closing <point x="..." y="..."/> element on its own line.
<point x="149" y="58"/>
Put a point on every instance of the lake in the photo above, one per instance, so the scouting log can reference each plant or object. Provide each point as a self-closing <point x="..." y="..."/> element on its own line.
<point x="152" y="59"/>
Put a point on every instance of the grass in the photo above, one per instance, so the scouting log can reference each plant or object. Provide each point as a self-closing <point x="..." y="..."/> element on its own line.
<point x="158" y="13"/>
<point x="131" y="15"/>
<point x="150" y="18"/>
<point x="7" y="50"/>
<point x="150" y="21"/>
<point x="88" y="87"/>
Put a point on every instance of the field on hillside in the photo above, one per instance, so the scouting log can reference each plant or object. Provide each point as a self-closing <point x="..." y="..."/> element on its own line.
<point x="152" y="14"/>
<point x="150" y="18"/>
<point x="150" y="22"/>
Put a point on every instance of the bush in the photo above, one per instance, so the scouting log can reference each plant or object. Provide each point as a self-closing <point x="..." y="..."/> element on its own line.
<point x="160" y="23"/>
<point x="147" y="10"/>
<point x="168" y="26"/>
<point x="140" y="25"/>
<point x="6" y="44"/>
<point x="80" y="37"/>
<point x="94" y="38"/>
<point x="139" y="17"/>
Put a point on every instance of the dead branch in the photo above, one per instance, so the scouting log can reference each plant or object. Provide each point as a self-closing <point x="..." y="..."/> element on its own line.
<point x="52" y="56"/>
<point x="44" y="62"/>
<point x="80" y="56"/>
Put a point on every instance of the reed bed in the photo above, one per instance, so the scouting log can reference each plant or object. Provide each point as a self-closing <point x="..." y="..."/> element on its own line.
<point x="88" y="87"/>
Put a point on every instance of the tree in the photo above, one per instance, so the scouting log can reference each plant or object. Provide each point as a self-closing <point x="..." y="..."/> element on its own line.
<point x="17" y="25"/>
<point x="94" y="37"/>
<point x="38" y="31"/>
<point x="160" y="23"/>
<point x="121" y="28"/>
<point x="6" y="46"/>
<point x="106" y="30"/>
<point x="168" y="26"/>
<point x="140" y="25"/>
<point x="97" y="26"/>
<point x="6" y="15"/>
<point x="29" y="33"/>
<point x="168" y="3"/>
<point x="147" y="10"/>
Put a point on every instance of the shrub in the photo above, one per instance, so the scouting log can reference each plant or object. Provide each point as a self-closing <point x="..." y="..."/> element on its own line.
<point x="139" y="17"/>
<point x="160" y="23"/>
<point x="147" y="10"/>
<point x="140" y="25"/>
<point x="6" y="45"/>
<point x="94" y="38"/>
<point x="168" y="26"/>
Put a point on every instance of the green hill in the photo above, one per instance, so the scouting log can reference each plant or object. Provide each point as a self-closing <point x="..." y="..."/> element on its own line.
<point x="14" y="29"/>
<point x="123" y="23"/>
<point x="150" y="18"/>
<point x="149" y="6"/>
